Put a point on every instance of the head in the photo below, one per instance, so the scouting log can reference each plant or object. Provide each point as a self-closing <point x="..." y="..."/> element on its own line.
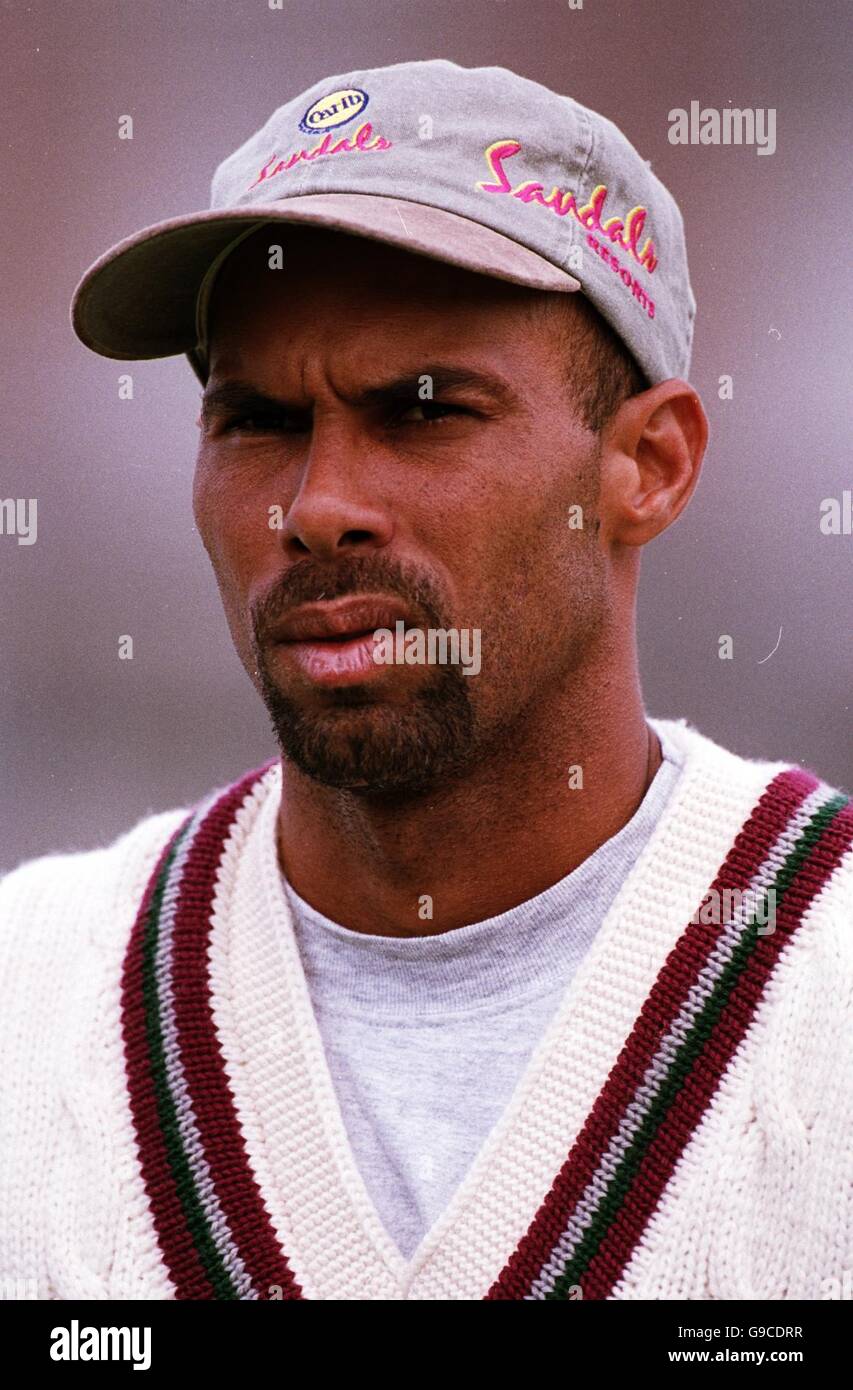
<point x="487" y="456"/>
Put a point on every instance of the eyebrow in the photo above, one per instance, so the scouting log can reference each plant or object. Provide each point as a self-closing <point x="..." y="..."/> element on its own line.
<point x="229" y="396"/>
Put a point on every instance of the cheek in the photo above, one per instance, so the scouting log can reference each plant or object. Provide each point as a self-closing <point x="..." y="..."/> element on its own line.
<point x="207" y="505"/>
<point x="232" y="524"/>
<point x="230" y="515"/>
<point x="532" y="573"/>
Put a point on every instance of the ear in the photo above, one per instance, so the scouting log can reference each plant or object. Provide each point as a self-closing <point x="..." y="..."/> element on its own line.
<point x="651" y="455"/>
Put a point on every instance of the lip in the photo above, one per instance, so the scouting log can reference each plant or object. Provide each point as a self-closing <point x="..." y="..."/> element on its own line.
<point x="332" y="644"/>
<point x="346" y="618"/>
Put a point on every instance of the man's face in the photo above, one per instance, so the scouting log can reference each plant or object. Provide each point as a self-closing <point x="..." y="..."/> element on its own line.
<point x="384" y="439"/>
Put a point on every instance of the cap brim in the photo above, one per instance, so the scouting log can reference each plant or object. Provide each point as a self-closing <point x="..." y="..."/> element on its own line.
<point x="139" y="299"/>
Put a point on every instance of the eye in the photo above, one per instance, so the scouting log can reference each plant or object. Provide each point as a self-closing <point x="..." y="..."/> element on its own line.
<point x="433" y="412"/>
<point x="263" y="422"/>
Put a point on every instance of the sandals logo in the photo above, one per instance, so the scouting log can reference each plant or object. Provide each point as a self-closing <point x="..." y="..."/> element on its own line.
<point x="335" y="109"/>
<point x="618" y="231"/>
<point x="362" y="140"/>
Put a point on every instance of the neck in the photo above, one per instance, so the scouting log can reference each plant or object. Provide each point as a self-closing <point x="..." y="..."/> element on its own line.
<point x="481" y="845"/>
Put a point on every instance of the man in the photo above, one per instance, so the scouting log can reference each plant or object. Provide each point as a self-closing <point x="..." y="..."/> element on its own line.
<point x="490" y="986"/>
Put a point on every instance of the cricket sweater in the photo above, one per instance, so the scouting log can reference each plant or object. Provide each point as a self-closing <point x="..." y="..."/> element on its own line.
<point x="681" y="1130"/>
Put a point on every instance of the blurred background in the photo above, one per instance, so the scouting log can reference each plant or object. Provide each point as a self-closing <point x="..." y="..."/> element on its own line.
<point x="90" y="743"/>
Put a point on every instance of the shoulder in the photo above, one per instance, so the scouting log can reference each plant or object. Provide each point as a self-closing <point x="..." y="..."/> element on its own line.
<point x="765" y="1176"/>
<point x="685" y="745"/>
<point x="61" y="907"/>
<point x="50" y="907"/>
<point x="65" y="920"/>
<point x="797" y="822"/>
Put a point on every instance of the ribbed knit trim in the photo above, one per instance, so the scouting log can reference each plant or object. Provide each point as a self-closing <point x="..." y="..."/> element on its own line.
<point x="213" y="1226"/>
<point x="214" y="1230"/>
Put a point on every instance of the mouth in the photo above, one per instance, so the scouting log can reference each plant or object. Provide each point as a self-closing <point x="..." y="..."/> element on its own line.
<point x="333" y="644"/>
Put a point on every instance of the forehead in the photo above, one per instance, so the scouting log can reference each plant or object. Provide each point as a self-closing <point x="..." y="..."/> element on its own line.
<point x="296" y="281"/>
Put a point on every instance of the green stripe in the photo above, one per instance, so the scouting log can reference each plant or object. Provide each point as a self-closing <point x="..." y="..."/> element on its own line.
<point x="699" y="1035"/>
<point x="182" y="1172"/>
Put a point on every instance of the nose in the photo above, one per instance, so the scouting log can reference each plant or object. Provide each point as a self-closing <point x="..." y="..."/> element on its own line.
<point x="337" y="506"/>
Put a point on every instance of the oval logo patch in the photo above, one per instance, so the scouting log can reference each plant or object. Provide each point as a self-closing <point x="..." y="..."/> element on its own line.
<point x="335" y="109"/>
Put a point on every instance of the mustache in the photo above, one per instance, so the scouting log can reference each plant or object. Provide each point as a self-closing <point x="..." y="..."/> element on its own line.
<point x="311" y="581"/>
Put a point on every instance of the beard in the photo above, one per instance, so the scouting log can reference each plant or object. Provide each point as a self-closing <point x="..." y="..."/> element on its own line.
<point x="362" y="744"/>
<point x="359" y="741"/>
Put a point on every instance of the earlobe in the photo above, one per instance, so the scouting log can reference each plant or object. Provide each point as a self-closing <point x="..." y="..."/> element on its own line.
<point x="654" y="453"/>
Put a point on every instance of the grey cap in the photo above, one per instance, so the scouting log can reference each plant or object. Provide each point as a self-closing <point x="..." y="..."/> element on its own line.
<point x="478" y="167"/>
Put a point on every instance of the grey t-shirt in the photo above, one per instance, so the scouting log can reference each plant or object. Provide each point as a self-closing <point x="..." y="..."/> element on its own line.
<point x="427" y="1037"/>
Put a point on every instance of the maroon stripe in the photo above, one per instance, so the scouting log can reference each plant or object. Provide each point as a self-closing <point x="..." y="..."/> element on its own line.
<point x="762" y="828"/>
<point x="176" y="1243"/>
<point x="204" y="1066"/>
<point x="658" y="1164"/>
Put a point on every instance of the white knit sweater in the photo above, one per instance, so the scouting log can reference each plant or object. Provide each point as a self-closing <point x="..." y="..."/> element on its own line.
<point x="754" y="1182"/>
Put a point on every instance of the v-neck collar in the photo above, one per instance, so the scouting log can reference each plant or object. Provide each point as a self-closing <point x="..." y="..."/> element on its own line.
<point x="299" y="1148"/>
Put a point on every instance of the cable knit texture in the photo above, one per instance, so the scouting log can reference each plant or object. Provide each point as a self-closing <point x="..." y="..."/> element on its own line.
<point x="682" y="1130"/>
